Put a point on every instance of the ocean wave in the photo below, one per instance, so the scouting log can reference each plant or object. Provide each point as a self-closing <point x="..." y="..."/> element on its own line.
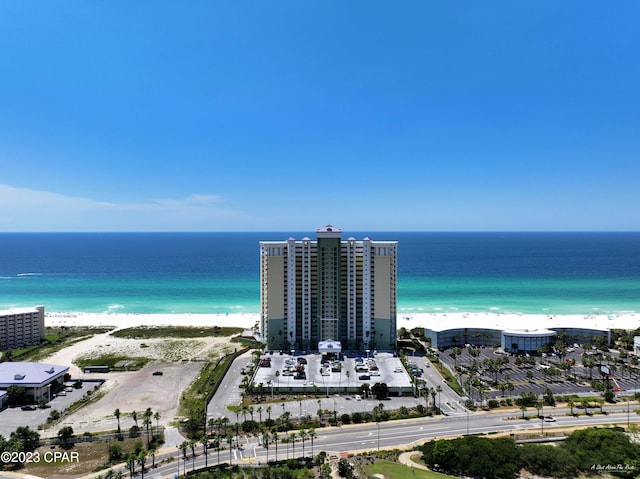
<point x="113" y="308"/>
<point x="29" y="274"/>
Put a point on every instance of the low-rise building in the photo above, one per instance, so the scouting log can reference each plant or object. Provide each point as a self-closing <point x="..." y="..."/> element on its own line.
<point x="509" y="332"/>
<point x="37" y="379"/>
<point x="21" y="327"/>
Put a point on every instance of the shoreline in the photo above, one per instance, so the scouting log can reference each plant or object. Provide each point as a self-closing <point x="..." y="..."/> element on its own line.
<point x="437" y="321"/>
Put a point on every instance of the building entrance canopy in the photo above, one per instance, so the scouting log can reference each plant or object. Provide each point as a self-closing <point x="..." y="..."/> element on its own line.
<point x="330" y="346"/>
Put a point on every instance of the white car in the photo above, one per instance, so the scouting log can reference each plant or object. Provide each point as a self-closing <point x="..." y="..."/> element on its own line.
<point x="357" y="397"/>
<point x="549" y="419"/>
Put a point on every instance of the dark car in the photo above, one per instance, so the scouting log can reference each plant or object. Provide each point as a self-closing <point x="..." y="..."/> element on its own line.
<point x="364" y="377"/>
<point x="29" y="407"/>
<point x="157" y="373"/>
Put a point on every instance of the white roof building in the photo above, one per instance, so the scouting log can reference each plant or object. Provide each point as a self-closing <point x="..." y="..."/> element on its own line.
<point x="520" y="332"/>
<point x="36" y="378"/>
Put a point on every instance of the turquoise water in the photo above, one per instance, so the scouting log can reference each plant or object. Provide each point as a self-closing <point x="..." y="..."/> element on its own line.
<point x="558" y="273"/>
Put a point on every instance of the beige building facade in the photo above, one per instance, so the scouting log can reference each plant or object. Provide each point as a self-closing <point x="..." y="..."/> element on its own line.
<point x="328" y="289"/>
<point x="21" y="327"/>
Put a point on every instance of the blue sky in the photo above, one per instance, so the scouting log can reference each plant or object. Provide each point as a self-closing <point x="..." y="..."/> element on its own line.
<point x="289" y="115"/>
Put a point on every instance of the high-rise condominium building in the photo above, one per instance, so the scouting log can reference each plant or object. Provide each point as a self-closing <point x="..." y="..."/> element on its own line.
<point x="328" y="291"/>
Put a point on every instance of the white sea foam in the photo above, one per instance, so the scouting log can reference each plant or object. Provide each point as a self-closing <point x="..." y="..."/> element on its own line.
<point x="113" y="308"/>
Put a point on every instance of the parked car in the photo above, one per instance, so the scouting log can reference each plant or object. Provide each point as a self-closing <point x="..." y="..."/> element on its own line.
<point x="29" y="407"/>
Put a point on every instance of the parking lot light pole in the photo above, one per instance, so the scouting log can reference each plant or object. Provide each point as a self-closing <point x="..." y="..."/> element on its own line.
<point x="378" y="424"/>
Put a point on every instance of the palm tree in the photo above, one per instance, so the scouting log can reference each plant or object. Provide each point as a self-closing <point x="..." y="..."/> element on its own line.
<point x="156" y="416"/>
<point x="303" y="437"/>
<point x="259" y="409"/>
<point x="455" y="353"/>
<point x="292" y="440"/>
<point x="274" y="436"/>
<point x="237" y="410"/>
<point x="439" y="390"/>
<point x="116" y="413"/>
<point x="192" y="445"/>
<point x="269" y="413"/>
<point x="433" y="393"/>
<point x="183" y="447"/>
<point x="134" y="416"/>
<point x="142" y="460"/>
<point x="312" y="436"/>
<point x="204" y="440"/>
<point x="211" y="423"/>
<point x="230" y="442"/>
<point x="146" y="421"/>
<point x="265" y="442"/>
<point x="131" y="463"/>
<point x="153" y="450"/>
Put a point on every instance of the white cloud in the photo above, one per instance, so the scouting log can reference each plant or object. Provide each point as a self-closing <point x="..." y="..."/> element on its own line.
<point x="24" y="209"/>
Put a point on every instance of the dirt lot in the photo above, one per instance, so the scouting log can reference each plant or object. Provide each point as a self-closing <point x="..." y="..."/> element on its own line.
<point x="180" y="361"/>
<point x="136" y="391"/>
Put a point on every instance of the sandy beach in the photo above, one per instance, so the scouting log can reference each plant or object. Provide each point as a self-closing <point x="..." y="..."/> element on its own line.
<point x="436" y="321"/>
<point x="118" y="320"/>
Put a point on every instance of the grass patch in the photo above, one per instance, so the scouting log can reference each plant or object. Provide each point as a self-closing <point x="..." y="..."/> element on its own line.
<point x="150" y="332"/>
<point x="92" y="456"/>
<point x="393" y="470"/>
<point x="449" y="378"/>
<point x="114" y="361"/>
<point x="195" y="396"/>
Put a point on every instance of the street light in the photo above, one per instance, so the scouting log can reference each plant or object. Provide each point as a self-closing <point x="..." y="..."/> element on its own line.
<point x="378" y="424"/>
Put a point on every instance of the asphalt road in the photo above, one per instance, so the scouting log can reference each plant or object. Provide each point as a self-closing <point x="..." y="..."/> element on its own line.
<point x="396" y="434"/>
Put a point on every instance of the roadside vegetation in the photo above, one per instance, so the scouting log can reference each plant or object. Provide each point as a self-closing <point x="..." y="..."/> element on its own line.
<point x="193" y="401"/>
<point x="393" y="470"/>
<point x="592" y="451"/>
<point x="115" y="362"/>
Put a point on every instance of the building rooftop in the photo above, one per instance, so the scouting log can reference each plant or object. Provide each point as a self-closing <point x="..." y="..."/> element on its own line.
<point x="517" y="322"/>
<point x="29" y="374"/>
<point x="7" y="312"/>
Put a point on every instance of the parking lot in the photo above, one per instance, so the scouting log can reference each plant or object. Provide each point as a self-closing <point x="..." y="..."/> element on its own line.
<point x="13" y="417"/>
<point x="533" y="373"/>
<point x="331" y="374"/>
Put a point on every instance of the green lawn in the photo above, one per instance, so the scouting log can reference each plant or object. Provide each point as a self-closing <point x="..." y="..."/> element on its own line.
<point x="392" y="470"/>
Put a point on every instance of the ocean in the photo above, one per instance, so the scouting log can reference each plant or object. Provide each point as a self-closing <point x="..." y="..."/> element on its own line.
<point x="554" y="273"/>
